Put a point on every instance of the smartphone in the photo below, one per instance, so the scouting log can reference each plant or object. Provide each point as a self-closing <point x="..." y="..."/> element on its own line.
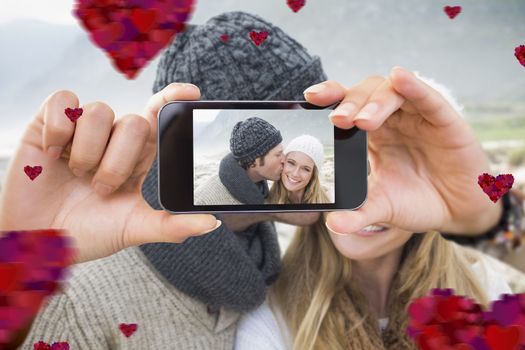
<point x="258" y="156"/>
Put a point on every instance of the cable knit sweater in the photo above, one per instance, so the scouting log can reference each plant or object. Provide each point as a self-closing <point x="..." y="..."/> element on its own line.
<point x="125" y="288"/>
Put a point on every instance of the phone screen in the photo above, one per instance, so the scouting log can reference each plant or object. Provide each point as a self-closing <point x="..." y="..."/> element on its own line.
<point x="292" y="150"/>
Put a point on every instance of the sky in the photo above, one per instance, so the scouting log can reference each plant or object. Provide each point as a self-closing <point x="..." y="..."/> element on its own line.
<point x="54" y="11"/>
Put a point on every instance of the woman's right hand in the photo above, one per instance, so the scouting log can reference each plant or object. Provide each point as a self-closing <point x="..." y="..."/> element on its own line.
<point x="92" y="177"/>
<point x="425" y="159"/>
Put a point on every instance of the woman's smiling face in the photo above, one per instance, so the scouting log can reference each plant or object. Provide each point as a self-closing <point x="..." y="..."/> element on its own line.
<point x="298" y="170"/>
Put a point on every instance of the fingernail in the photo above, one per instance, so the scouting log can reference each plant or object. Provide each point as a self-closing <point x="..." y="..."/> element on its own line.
<point x="189" y="86"/>
<point x="367" y="111"/>
<point x="219" y="223"/>
<point x="395" y="68"/>
<point x="103" y="188"/>
<point x="79" y="172"/>
<point x="335" y="232"/>
<point x="54" y="151"/>
<point x="314" y="89"/>
<point x="345" y="110"/>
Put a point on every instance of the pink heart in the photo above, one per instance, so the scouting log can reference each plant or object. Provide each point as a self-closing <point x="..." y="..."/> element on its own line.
<point x="495" y="187"/>
<point x="258" y="37"/>
<point x="148" y="23"/>
<point x="33" y="171"/>
<point x="128" y="329"/>
<point x="452" y="11"/>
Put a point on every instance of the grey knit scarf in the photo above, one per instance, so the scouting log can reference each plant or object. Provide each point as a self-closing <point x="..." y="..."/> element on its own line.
<point x="234" y="178"/>
<point x="221" y="268"/>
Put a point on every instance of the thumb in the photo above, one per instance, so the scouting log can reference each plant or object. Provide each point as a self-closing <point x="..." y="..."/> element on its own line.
<point x="147" y="225"/>
<point x="374" y="211"/>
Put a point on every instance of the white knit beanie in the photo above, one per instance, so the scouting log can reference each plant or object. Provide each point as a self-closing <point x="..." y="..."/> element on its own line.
<point x="310" y="146"/>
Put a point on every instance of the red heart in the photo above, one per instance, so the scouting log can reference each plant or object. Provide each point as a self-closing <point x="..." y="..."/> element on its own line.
<point x="113" y="24"/>
<point x="224" y="38"/>
<point x="45" y="346"/>
<point x="31" y="262"/>
<point x="296" y="5"/>
<point x="258" y="37"/>
<point x="32" y="172"/>
<point x="73" y="114"/>
<point x="452" y="11"/>
<point x="503" y="338"/>
<point x="495" y="187"/>
<point x="60" y="346"/>
<point x="128" y="329"/>
<point x="41" y="346"/>
<point x="519" y="52"/>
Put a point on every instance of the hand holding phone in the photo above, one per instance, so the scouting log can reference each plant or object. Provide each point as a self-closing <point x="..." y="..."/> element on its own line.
<point x="258" y="156"/>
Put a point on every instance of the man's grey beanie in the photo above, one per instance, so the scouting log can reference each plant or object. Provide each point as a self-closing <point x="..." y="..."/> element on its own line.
<point x="223" y="269"/>
<point x="253" y="138"/>
<point x="279" y="69"/>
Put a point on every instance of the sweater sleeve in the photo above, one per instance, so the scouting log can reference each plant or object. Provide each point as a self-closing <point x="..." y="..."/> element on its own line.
<point x="58" y="321"/>
<point x="259" y="330"/>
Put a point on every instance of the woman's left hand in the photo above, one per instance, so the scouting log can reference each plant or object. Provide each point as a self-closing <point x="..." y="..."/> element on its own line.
<point x="425" y="158"/>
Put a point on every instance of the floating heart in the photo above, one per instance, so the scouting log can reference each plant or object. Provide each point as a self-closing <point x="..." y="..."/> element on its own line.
<point x="32" y="171"/>
<point x="56" y="346"/>
<point x="258" y="37"/>
<point x="296" y="5"/>
<point x="224" y="38"/>
<point x="128" y="329"/>
<point x="60" y="346"/>
<point x="73" y="113"/>
<point x="519" y="52"/>
<point x="452" y="11"/>
<point x="501" y="328"/>
<point x="114" y="25"/>
<point x="31" y="266"/>
<point x="41" y="346"/>
<point x="495" y="187"/>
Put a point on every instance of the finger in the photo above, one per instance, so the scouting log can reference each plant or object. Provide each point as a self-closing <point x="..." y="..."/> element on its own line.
<point x="172" y="92"/>
<point x="130" y="134"/>
<point x="58" y="129"/>
<point x="325" y="93"/>
<point x="148" y="225"/>
<point x="374" y="211"/>
<point x="426" y="100"/>
<point x="355" y="99"/>
<point x="381" y="104"/>
<point x="91" y="136"/>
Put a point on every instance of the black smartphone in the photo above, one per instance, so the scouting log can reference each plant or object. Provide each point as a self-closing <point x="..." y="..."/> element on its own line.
<point x="258" y="156"/>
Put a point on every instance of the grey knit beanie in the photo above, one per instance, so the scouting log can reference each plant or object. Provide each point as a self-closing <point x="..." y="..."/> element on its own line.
<point x="253" y="138"/>
<point x="279" y="69"/>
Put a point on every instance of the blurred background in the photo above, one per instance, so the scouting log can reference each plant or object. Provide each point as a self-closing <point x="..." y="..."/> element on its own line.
<point x="44" y="49"/>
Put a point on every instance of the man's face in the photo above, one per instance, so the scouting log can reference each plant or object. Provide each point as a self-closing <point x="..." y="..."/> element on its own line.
<point x="273" y="164"/>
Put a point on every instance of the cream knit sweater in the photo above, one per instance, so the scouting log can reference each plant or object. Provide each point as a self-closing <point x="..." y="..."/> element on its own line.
<point x="125" y="288"/>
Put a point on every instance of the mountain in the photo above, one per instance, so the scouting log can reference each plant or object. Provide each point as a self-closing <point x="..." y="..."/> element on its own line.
<point x="215" y="137"/>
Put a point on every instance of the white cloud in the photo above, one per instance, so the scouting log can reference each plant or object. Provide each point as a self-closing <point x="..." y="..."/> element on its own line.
<point x="54" y="11"/>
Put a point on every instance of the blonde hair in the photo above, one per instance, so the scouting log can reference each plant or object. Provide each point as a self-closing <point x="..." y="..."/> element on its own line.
<point x="324" y="308"/>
